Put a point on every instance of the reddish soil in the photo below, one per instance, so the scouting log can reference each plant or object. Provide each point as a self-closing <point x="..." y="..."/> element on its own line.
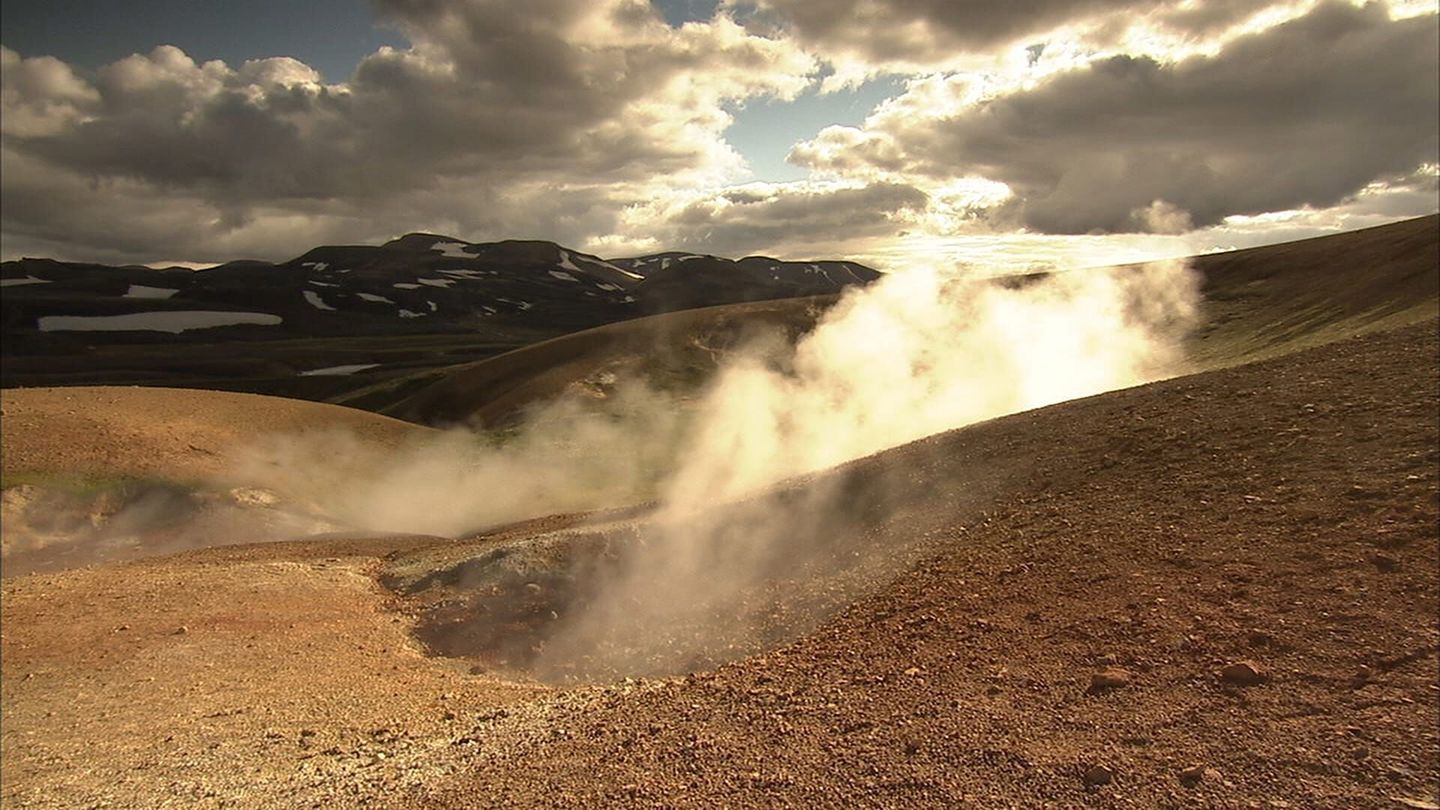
<point x="1218" y="590"/>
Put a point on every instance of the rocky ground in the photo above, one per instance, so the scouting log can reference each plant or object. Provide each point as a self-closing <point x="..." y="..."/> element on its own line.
<point x="1218" y="590"/>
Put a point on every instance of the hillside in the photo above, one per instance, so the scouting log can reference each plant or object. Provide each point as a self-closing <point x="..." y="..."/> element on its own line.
<point x="1281" y="514"/>
<point x="1258" y="303"/>
<point x="1268" y="301"/>
<point x="675" y="351"/>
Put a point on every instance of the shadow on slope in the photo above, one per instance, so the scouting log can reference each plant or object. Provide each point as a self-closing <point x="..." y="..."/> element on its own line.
<point x="676" y="352"/>
<point x="1268" y="301"/>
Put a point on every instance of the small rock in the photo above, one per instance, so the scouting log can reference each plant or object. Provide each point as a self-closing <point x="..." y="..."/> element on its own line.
<point x="1110" y="678"/>
<point x="181" y="630"/>
<point x="1259" y="638"/>
<point x="1197" y="774"/>
<point x="1385" y="563"/>
<point x="1097" y="775"/>
<point x="912" y="671"/>
<point x="1243" y="673"/>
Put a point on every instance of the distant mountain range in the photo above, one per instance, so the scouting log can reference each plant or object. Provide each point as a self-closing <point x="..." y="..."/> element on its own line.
<point x="419" y="283"/>
<point x="342" y="319"/>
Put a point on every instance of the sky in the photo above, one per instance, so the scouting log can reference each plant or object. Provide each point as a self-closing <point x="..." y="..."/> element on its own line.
<point x="996" y="136"/>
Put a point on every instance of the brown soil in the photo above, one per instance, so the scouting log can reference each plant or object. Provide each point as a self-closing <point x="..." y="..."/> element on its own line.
<point x="1246" y="557"/>
<point x="167" y="433"/>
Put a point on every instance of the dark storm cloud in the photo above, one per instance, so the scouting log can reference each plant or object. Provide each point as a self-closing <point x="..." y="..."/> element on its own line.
<point x="786" y="219"/>
<point x="1306" y="113"/>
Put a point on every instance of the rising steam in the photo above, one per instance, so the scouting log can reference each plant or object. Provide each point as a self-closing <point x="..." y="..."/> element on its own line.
<point x="917" y="353"/>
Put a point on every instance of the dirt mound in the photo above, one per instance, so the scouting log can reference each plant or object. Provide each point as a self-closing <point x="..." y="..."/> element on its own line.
<point x="94" y="474"/>
<point x="1244" y="561"/>
<point x="165" y="433"/>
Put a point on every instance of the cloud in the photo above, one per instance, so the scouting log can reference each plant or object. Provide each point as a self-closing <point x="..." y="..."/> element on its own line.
<point x="905" y="34"/>
<point x="800" y="219"/>
<point x="1305" y="113"/>
<point x="598" y="125"/>
<point x="568" y="105"/>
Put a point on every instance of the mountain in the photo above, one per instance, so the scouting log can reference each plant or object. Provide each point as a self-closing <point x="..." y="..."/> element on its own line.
<point x="417" y="283"/>
<point x="674" y="281"/>
<point x="372" y="312"/>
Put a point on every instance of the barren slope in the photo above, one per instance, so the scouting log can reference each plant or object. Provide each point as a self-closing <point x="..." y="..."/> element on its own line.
<point x="172" y="433"/>
<point x="1259" y="303"/>
<point x="674" y="350"/>
<point x="1282" y="513"/>
<point x="99" y="473"/>
<point x="1267" y="301"/>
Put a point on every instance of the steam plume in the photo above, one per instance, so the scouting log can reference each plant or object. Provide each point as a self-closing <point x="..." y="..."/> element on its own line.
<point x="914" y="354"/>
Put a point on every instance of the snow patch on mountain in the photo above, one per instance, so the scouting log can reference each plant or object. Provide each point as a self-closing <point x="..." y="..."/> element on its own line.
<point x="16" y="282"/>
<point x="173" y="322"/>
<point x="338" y="371"/>
<point x="454" y="250"/>
<point x="142" y="291"/>
<point x="316" y="301"/>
